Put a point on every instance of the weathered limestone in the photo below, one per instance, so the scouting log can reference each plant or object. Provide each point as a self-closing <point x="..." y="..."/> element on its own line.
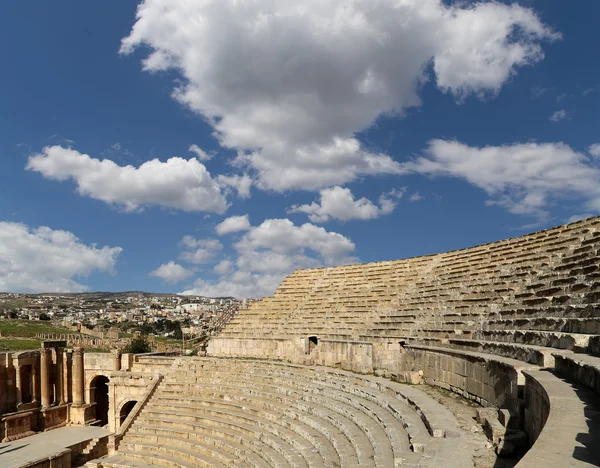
<point x="212" y="412"/>
<point x="59" y="380"/>
<point x="46" y="383"/>
<point x="78" y="377"/>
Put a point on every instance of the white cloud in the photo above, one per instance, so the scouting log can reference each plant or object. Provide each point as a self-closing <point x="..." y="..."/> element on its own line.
<point x="176" y="183"/>
<point x="523" y="178"/>
<point x="172" y="273"/>
<point x="233" y="224"/>
<point x="200" y="153"/>
<point x="202" y="250"/>
<point x="579" y="217"/>
<point x="224" y="267"/>
<point x="268" y="253"/>
<point x="594" y="150"/>
<point x="539" y="91"/>
<point x="415" y="197"/>
<point x="289" y="84"/>
<point x="46" y="260"/>
<point x="192" y="243"/>
<point x="339" y="203"/>
<point x="241" y="184"/>
<point x="559" y="115"/>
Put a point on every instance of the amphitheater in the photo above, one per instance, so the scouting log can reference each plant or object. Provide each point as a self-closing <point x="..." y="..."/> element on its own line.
<point x="341" y="368"/>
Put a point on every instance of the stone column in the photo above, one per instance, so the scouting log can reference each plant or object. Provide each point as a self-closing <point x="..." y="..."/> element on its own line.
<point x="19" y="383"/>
<point x="59" y="380"/>
<point x="45" y="363"/>
<point x="117" y="355"/>
<point x="78" y="376"/>
<point x="68" y="376"/>
<point x="35" y="384"/>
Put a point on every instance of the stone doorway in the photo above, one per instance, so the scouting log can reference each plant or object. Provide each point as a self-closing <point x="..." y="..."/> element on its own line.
<point x="99" y="389"/>
<point x="125" y="410"/>
<point x="26" y="382"/>
<point x="313" y="342"/>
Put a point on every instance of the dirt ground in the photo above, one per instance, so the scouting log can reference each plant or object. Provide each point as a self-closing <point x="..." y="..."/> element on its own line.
<point x="464" y="410"/>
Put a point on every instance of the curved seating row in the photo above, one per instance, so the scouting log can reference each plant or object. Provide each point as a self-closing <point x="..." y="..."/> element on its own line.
<point x="216" y="412"/>
<point x="476" y="321"/>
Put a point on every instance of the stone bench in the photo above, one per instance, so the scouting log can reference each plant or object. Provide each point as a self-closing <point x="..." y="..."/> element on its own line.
<point x="195" y="439"/>
<point x="581" y="368"/>
<point x="537" y="355"/>
<point x="364" y="433"/>
<point x="489" y="380"/>
<point x="320" y="433"/>
<point x="209" y="425"/>
<point x="577" y="342"/>
<point x="590" y="326"/>
<point x="158" y="454"/>
<point x="562" y="420"/>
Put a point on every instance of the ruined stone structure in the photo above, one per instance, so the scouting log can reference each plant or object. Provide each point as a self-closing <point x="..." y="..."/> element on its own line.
<point x="312" y="377"/>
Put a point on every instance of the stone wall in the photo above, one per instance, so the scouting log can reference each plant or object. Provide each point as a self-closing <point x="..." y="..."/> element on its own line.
<point x="537" y="408"/>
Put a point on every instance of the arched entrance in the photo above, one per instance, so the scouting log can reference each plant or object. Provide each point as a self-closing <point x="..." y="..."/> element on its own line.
<point x="99" y="388"/>
<point x="125" y="410"/>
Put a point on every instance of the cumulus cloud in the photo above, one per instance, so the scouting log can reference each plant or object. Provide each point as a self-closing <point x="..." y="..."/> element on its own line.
<point x="200" y="153"/>
<point x="289" y="84"/>
<point x="339" y="203"/>
<point x="233" y="224"/>
<point x="594" y="150"/>
<point x="45" y="260"/>
<point x="177" y="183"/>
<point x="172" y="273"/>
<point x="224" y="267"/>
<point x="241" y="184"/>
<point x="523" y="178"/>
<point x="266" y="254"/>
<point x="559" y="115"/>
<point x="199" y="251"/>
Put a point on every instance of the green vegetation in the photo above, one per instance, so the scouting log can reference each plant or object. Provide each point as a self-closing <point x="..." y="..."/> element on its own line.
<point x="156" y="328"/>
<point x="137" y="346"/>
<point x="29" y="328"/>
<point x="18" y="345"/>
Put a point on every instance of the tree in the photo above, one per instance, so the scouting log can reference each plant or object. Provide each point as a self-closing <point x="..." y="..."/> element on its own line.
<point x="137" y="346"/>
<point x="44" y="316"/>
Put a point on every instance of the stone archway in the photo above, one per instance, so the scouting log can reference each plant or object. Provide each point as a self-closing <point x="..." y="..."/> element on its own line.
<point x="126" y="408"/>
<point x="99" y="398"/>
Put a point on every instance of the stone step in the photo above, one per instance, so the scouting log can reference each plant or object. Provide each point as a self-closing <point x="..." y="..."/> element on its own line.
<point x="293" y="418"/>
<point x="265" y="419"/>
<point x="581" y="368"/>
<point x="183" y="445"/>
<point x="537" y="355"/>
<point x="293" y="448"/>
<point x="157" y="454"/>
<point x="590" y="326"/>
<point x="577" y="342"/>
<point x="254" y="453"/>
<point x="361" y="443"/>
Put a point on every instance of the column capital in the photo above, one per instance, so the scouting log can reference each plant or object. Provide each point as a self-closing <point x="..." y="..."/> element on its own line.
<point x="78" y="350"/>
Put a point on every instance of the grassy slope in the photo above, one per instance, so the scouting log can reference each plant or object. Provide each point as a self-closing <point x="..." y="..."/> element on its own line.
<point x="11" y="344"/>
<point x="29" y="328"/>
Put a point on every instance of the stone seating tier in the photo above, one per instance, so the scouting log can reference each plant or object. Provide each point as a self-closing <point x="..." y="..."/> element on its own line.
<point x="429" y="293"/>
<point x="476" y="321"/>
<point x="212" y="412"/>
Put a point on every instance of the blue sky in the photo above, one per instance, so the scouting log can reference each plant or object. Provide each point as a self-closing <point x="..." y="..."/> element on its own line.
<point x="324" y="133"/>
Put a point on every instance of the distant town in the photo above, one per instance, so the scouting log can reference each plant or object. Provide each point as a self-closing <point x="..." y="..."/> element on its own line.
<point x="109" y="316"/>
